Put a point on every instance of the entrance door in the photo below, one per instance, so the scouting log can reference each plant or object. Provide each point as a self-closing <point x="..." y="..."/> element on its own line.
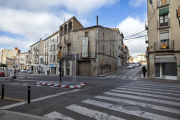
<point x="84" y="68"/>
<point x="157" y="69"/>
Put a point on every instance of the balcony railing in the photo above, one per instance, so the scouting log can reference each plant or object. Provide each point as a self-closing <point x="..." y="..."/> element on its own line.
<point x="169" y="46"/>
<point x="66" y="53"/>
<point x="88" y="56"/>
<point x="120" y="55"/>
<point x="68" y="42"/>
<point x="36" y="49"/>
<point x="163" y="25"/>
<point x="35" y="54"/>
<point x="60" y="45"/>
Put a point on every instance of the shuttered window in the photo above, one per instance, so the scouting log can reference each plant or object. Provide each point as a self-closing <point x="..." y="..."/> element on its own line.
<point x="164" y="11"/>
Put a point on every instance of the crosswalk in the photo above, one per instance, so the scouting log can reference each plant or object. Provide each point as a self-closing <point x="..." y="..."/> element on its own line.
<point x="137" y="100"/>
<point x="121" y="77"/>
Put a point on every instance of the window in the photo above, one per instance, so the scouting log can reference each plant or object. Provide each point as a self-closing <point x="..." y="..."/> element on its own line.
<point x="110" y="41"/>
<point x="86" y="34"/>
<point x="163" y="20"/>
<point x="53" y="58"/>
<point x="163" y="2"/>
<point x="164" y="39"/>
<point x="113" y="53"/>
<point x="103" y="36"/>
<point x="26" y="56"/>
<point x="54" y="47"/>
<point x="64" y="39"/>
<point x="110" y="52"/>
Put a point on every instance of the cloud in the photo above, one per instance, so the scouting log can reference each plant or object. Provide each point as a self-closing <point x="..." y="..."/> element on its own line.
<point x="136" y="3"/>
<point x="81" y="7"/>
<point x="131" y="26"/>
<point x="10" y="43"/>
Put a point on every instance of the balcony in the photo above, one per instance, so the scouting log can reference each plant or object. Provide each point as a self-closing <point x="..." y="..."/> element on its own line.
<point x="60" y="45"/>
<point x="120" y="55"/>
<point x="163" y="25"/>
<point x="146" y="39"/>
<point x="35" y="54"/>
<point x="169" y="46"/>
<point x="36" y="49"/>
<point x="88" y="56"/>
<point x="120" y="47"/>
<point x="160" y="4"/>
<point x="68" y="42"/>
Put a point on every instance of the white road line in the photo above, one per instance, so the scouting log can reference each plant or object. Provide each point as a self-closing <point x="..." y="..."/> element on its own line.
<point x="163" y="90"/>
<point x="92" y="113"/>
<point x="138" y="113"/>
<point x="119" y="76"/>
<point x="130" y="78"/>
<point x="161" y="87"/>
<point x="56" y="115"/>
<point x="147" y="84"/>
<point x="38" y="99"/>
<point x="113" y="77"/>
<point x="144" y="98"/>
<point x="146" y="105"/>
<point x="150" y="91"/>
<point x="135" y="78"/>
<point x="123" y="77"/>
<point x="146" y="94"/>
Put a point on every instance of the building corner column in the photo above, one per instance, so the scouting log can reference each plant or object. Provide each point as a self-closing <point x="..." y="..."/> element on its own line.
<point x="177" y="55"/>
<point x="151" y="66"/>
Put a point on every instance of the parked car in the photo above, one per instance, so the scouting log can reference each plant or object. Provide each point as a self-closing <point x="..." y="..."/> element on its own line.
<point x="130" y="66"/>
<point x="139" y="63"/>
<point x="2" y="74"/>
<point x="30" y="72"/>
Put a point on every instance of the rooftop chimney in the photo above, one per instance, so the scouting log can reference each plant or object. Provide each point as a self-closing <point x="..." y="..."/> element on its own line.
<point x="97" y="20"/>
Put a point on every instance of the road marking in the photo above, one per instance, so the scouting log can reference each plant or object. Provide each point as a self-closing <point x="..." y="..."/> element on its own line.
<point x="156" y="87"/>
<point x="13" y="99"/>
<point x="144" y="98"/>
<point x="113" y="77"/>
<point x="150" y="91"/>
<point x="146" y="94"/>
<point x="130" y="78"/>
<point x="151" y="84"/>
<point x="151" y="106"/>
<point x="123" y="77"/>
<point x="56" y="115"/>
<point x="92" y="113"/>
<point x="138" y="113"/>
<point x="135" y="78"/>
<point x="38" y="99"/>
<point x="119" y="76"/>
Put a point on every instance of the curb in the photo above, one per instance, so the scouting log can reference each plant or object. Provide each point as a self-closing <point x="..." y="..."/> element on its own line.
<point x="59" y="85"/>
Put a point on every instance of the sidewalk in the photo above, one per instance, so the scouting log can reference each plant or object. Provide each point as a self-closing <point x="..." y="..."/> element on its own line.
<point x="10" y="115"/>
<point x="106" y="74"/>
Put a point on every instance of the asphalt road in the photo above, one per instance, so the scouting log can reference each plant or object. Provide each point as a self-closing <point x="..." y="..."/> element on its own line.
<point x="117" y="96"/>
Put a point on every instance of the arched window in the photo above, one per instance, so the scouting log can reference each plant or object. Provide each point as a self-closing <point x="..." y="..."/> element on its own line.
<point x="65" y="28"/>
<point x="69" y="26"/>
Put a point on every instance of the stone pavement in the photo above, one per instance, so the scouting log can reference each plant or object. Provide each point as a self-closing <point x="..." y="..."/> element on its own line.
<point x="10" y="115"/>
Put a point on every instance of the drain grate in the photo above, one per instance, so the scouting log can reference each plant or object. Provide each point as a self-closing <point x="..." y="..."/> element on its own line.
<point x="131" y="107"/>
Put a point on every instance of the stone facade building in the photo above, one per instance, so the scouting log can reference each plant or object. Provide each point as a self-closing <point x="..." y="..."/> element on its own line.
<point x="163" y="50"/>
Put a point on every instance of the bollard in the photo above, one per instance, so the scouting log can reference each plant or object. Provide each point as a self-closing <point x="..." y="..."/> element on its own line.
<point x="2" y="96"/>
<point x="29" y="91"/>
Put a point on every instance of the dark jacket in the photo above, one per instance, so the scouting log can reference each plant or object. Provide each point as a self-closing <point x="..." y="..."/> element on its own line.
<point x="144" y="69"/>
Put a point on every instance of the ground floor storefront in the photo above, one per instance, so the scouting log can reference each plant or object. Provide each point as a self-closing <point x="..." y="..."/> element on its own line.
<point x="164" y="66"/>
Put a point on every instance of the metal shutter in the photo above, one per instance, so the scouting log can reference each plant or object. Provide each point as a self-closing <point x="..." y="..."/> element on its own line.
<point x="84" y="68"/>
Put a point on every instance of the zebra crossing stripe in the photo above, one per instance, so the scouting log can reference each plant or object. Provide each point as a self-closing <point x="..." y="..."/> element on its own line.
<point x="119" y="76"/>
<point x="151" y="84"/>
<point x="146" y="94"/>
<point x="150" y="91"/>
<point x="135" y="78"/>
<point x="143" y="98"/>
<point x="123" y="77"/>
<point x="161" y="87"/>
<point x="56" y="115"/>
<point x="156" y="107"/>
<point x="138" y="113"/>
<point x="113" y="77"/>
<point x="130" y="78"/>
<point x="92" y="113"/>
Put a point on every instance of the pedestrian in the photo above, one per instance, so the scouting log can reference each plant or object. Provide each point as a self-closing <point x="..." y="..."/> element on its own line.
<point x="39" y="71"/>
<point x="144" y="70"/>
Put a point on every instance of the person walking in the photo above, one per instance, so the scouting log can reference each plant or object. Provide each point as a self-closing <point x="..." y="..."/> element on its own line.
<point x="144" y="70"/>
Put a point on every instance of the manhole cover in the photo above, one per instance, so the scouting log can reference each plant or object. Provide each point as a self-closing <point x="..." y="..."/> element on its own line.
<point x="131" y="107"/>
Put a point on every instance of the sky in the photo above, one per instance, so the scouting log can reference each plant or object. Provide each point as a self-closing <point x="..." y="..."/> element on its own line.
<point x="24" y="22"/>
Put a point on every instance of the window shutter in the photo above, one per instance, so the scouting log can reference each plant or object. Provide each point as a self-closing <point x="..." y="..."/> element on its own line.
<point x="164" y="11"/>
<point x="179" y="11"/>
<point x="163" y="2"/>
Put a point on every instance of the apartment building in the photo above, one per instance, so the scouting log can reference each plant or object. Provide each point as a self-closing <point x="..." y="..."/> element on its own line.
<point x="36" y="52"/>
<point x="23" y="60"/>
<point x="163" y="50"/>
<point x="7" y="56"/>
<point x="140" y="58"/>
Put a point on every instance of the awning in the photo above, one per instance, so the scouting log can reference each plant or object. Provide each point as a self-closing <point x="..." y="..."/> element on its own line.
<point x="164" y="11"/>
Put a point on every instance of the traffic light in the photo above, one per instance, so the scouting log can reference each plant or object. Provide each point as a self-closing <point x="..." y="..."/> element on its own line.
<point x="60" y="54"/>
